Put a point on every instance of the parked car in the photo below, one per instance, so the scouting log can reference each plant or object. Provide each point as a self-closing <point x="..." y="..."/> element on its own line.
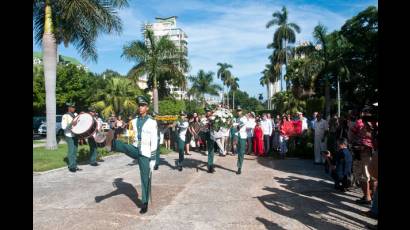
<point x="37" y="121"/>
<point x="42" y="130"/>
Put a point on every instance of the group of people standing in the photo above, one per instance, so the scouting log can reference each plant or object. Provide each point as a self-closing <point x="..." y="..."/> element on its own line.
<point x="334" y="140"/>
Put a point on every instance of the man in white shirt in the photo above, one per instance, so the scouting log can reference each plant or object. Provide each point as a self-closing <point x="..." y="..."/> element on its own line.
<point x="249" y="131"/>
<point x="267" y="132"/>
<point x="304" y="121"/>
<point x="241" y="123"/>
<point x="143" y="149"/>
<point x="182" y="129"/>
<point x="72" y="141"/>
<point x="321" y="129"/>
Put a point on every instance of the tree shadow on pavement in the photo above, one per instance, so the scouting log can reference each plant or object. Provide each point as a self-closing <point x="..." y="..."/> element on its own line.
<point x="312" y="203"/>
<point x="269" y="224"/>
<point x="199" y="165"/>
<point x="122" y="188"/>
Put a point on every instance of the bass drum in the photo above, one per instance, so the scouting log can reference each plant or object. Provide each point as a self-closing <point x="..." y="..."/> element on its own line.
<point x="99" y="138"/>
<point x="85" y="127"/>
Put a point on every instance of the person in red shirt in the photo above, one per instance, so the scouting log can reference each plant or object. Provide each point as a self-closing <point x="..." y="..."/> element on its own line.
<point x="285" y="128"/>
<point x="258" y="139"/>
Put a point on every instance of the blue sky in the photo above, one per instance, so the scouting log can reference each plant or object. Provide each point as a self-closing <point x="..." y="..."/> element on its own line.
<point x="220" y="31"/>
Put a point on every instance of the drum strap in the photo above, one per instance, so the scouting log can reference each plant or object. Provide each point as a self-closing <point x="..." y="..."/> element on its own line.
<point x="71" y="114"/>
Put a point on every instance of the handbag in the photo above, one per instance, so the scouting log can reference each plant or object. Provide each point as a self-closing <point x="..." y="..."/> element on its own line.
<point x="192" y="143"/>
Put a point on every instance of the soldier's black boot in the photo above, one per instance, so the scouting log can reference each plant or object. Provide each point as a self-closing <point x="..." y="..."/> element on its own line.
<point x="144" y="208"/>
<point x="239" y="171"/>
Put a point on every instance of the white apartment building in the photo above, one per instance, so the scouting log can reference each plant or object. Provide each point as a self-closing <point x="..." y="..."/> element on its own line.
<point x="168" y="27"/>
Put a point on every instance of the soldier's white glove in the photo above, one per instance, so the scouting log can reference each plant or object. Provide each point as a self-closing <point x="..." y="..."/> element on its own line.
<point x="151" y="164"/>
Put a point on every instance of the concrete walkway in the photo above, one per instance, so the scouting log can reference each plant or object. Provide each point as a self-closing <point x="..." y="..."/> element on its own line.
<point x="270" y="194"/>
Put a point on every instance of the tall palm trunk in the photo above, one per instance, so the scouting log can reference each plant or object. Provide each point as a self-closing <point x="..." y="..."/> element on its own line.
<point x="267" y="93"/>
<point x="50" y="65"/>
<point x="227" y="97"/>
<point x="233" y="99"/>
<point x="155" y="94"/>
<point x="327" y="99"/>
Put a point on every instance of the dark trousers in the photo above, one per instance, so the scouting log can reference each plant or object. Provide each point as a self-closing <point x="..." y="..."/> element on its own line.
<point x="210" y="144"/>
<point x="143" y="163"/>
<point x="72" y="143"/>
<point x="250" y="145"/>
<point x="266" y="143"/>
<point x="181" y="145"/>
<point x="241" y="152"/>
<point x="93" y="150"/>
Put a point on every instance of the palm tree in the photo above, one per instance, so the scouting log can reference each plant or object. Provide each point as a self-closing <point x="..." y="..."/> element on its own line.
<point x="118" y="97"/>
<point x="285" y="33"/>
<point x="156" y="58"/>
<point x="265" y="80"/>
<point x="77" y="22"/>
<point x="203" y="84"/>
<point x="224" y="74"/>
<point x="319" y="33"/>
<point x="233" y="85"/>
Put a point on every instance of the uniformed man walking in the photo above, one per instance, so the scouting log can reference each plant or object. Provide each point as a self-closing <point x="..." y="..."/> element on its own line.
<point x="143" y="149"/>
<point x="70" y="138"/>
<point x="182" y="129"/>
<point x="91" y="142"/>
<point x="209" y="142"/>
<point x="242" y="124"/>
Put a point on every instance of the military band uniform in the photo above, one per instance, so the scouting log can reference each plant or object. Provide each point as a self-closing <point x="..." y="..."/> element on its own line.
<point x="70" y="138"/>
<point x="182" y="130"/>
<point x="242" y="123"/>
<point x="143" y="149"/>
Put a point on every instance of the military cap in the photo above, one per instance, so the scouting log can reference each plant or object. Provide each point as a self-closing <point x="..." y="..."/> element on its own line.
<point x="239" y="108"/>
<point x="141" y="100"/>
<point x="182" y="113"/>
<point x="70" y="104"/>
<point x="91" y="109"/>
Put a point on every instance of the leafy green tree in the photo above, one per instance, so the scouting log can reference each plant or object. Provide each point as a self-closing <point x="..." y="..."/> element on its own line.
<point x="171" y="107"/>
<point x="225" y="75"/>
<point x="119" y="97"/>
<point x="203" y="84"/>
<point x="76" y="22"/>
<point x="156" y="58"/>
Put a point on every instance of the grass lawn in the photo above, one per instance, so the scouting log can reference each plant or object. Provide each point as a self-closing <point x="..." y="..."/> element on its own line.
<point x="38" y="142"/>
<point x="44" y="159"/>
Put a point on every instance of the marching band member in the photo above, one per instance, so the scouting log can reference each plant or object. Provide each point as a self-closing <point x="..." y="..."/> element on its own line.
<point x="242" y="123"/>
<point x="71" y="139"/>
<point x="143" y="149"/>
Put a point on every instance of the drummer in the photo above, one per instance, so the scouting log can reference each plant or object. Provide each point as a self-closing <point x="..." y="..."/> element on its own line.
<point x="143" y="149"/>
<point x="91" y="141"/>
<point x="71" y="139"/>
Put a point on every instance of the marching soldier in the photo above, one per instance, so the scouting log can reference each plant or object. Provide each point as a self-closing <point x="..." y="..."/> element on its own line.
<point x="91" y="142"/>
<point x="182" y="129"/>
<point x="71" y="139"/>
<point x="143" y="149"/>
<point x="241" y="122"/>
<point x="209" y="142"/>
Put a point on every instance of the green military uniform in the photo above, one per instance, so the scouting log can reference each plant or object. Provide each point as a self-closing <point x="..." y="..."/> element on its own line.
<point x="182" y="129"/>
<point x="242" y="136"/>
<point x="92" y="144"/>
<point x="210" y="145"/>
<point x="144" y="149"/>
<point x="70" y="138"/>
